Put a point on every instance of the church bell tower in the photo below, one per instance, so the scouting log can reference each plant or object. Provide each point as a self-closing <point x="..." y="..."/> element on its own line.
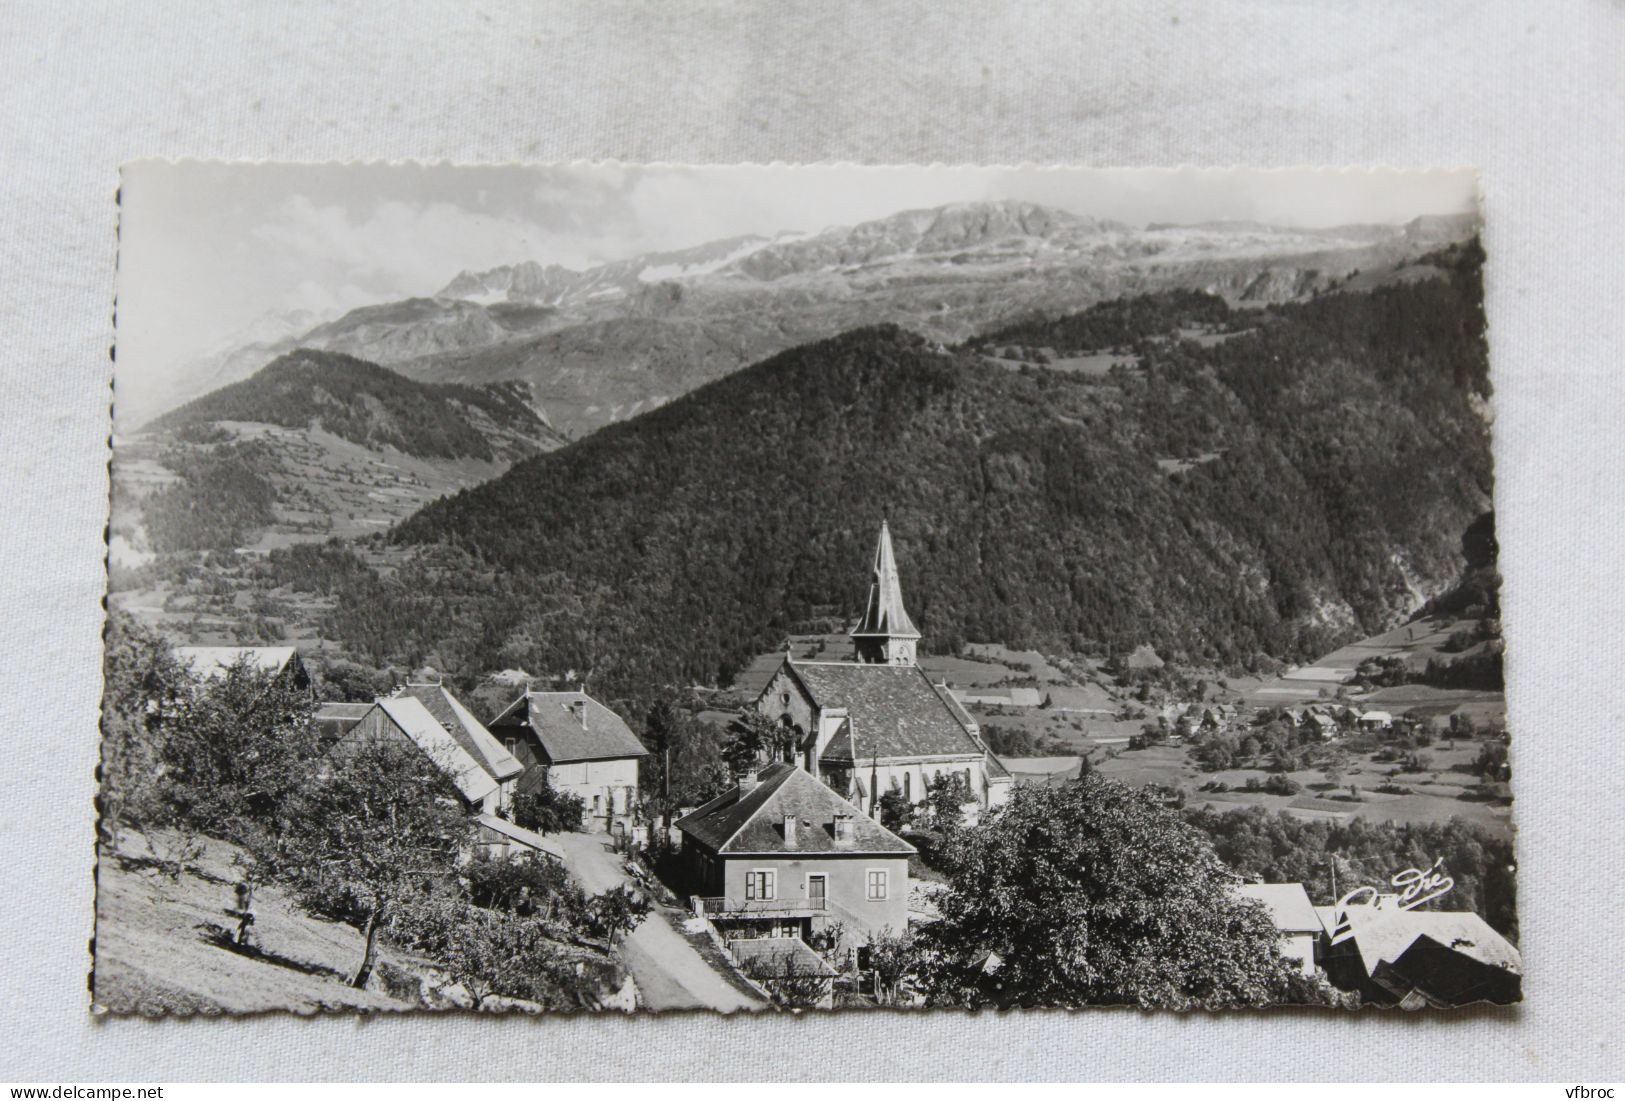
<point x="885" y="635"/>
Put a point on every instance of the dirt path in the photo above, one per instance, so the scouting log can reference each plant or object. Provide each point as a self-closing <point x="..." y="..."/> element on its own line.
<point x="668" y="971"/>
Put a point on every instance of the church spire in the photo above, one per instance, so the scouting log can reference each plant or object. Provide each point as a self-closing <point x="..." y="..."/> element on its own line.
<point x="885" y="634"/>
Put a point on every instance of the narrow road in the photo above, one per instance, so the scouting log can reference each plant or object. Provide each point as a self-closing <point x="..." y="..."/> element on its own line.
<point x="669" y="973"/>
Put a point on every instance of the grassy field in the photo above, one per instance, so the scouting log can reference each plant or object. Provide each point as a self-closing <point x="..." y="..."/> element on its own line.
<point x="159" y="946"/>
<point x="1433" y="796"/>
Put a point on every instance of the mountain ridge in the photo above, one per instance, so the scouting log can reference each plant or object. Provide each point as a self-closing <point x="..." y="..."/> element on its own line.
<point x="1305" y="480"/>
<point x="580" y="337"/>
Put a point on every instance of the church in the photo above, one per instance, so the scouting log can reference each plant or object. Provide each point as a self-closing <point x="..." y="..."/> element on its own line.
<point x="877" y="723"/>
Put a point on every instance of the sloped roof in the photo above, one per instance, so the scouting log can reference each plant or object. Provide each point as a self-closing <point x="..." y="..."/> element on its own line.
<point x="529" y="838"/>
<point x="770" y="956"/>
<point x="884" y="614"/>
<point x="425" y="731"/>
<point x="1383" y="934"/>
<point x="753" y="821"/>
<point x="1287" y="903"/>
<point x="470" y="733"/>
<point x="213" y="661"/>
<point x="894" y="710"/>
<point x="572" y="726"/>
<point x="840" y="743"/>
<point x="335" y="719"/>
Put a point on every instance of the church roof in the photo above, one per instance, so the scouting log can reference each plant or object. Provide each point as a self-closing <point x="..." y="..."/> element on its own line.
<point x="884" y="614"/>
<point x="892" y="710"/>
<point x="752" y="820"/>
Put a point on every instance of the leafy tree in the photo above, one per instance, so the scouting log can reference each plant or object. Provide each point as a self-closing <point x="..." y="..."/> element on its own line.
<point x="891" y="958"/>
<point x="1492" y="762"/>
<point x="533" y="887"/>
<point x="754" y="740"/>
<point x="1093" y="894"/>
<point x="945" y="799"/>
<point x="895" y="811"/>
<point x="144" y="691"/>
<point x="240" y="750"/>
<point x="616" y="912"/>
<point x="493" y="952"/>
<point x="790" y="984"/>
<point x="687" y="766"/>
<point x="374" y="830"/>
<point x="546" y="809"/>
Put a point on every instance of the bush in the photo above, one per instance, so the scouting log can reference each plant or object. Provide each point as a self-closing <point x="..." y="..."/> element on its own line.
<point x="547" y="810"/>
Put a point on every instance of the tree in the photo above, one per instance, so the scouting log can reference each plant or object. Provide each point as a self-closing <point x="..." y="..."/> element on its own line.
<point x="945" y="798"/>
<point x="891" y="957"/>
<point x="546" y="809"/>
<point x="688" y="765"/>
<point x="1094" y="894"/>
<point x="896" y="812"/>
<point x="754" y="740"/>
<point x="240" y="749"/>
<point x="791" y="983"/>
<point x="616" y="912"/>
<point x="492" y="952"/>
<point x="376" y="828"/>
<point x="144" y="690"/>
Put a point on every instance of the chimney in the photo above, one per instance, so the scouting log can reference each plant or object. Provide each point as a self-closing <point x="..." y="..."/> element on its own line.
<point x="578" y="708"/>
<point x="789" y="831"/>
<point x="843" y="829"/>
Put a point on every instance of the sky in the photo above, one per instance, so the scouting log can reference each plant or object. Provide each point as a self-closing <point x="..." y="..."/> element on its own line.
<point x="209" y="249"/>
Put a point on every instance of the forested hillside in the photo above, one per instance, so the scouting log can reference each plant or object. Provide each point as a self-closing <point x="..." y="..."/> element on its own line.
<point x="314" y="444"/>
<point x="1301" y="483"/>
<point x="374" y="407"/>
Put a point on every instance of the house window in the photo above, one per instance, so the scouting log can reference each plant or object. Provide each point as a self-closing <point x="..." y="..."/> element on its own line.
<point x="907" y="790"/>
<point x="510" y="744"/>
<point x="877" y="885"/>
<point x="760" y="885"/>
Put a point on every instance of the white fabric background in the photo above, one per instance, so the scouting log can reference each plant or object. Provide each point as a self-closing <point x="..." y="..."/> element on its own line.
<point x="1532" y="93"/>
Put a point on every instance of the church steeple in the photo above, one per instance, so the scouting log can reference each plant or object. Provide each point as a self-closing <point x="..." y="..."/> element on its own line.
<point x="885" y="635"/>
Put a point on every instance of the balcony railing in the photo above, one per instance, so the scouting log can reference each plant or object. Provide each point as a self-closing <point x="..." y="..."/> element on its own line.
<point x="767" y="907"/>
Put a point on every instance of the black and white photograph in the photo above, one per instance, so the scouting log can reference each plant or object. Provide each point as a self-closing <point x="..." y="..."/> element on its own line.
<point x="611" y="588"/>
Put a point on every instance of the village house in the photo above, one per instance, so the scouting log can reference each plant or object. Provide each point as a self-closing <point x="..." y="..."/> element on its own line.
<point x="1413" y="958"/>
<point x="878" y="723"/>
<point x="783" y="855"/>
<point x="212" y="662"/>
<point x="574" y="743"/>
<point x="1295" y="919"/>
<point x="480" y="773"/>
<point x="436" y="722"/>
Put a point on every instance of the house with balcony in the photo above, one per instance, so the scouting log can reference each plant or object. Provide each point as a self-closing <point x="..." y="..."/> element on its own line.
<point x="579" y="746"/>
<point x="782" y="855"/>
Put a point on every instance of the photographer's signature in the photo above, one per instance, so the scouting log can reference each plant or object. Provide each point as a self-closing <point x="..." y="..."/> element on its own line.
<point x="1415" y="888"/>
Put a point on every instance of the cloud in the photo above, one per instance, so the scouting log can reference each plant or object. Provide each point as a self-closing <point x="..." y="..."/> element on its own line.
<point x="399" y="249"/>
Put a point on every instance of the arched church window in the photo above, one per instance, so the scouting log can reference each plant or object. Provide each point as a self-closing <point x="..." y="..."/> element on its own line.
<point x="907" y="794"/>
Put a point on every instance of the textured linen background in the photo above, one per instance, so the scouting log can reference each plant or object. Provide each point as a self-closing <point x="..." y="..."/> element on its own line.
<point x="1532" y="93"/>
